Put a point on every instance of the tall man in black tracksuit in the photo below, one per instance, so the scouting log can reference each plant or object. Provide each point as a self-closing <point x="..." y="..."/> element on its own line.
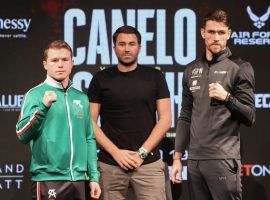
<point x="218" y="96"/>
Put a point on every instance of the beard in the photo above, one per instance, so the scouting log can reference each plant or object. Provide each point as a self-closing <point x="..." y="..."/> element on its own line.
<point x="128" y="63"/>
<point x="216" y="50"/>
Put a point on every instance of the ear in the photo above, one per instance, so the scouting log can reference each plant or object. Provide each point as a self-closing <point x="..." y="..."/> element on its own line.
<point x="72" y="61"/>
<point x="140" y="48"/>
<point x="229" y="34"/>
<point x="203" y="33"/>
<point x="45" y="65"/>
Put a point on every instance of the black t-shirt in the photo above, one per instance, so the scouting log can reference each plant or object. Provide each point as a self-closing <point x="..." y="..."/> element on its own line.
<point x="128" y="106"/>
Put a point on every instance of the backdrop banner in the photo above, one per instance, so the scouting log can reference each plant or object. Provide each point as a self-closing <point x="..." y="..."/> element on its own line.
<point x="170" y="40"/>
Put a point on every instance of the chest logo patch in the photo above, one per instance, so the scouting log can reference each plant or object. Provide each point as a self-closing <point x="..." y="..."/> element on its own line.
<point x="78" y="108"/>
<point x="78" y="103"/>
<point x="220" y="72"/>
<point x="194" y="86"/>
<point x="197" y="72"/>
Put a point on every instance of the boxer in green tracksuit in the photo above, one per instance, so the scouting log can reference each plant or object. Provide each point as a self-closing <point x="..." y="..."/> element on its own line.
<point x="55" y="119"/>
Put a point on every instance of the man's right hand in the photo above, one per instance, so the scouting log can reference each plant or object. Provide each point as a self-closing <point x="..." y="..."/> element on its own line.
<point x="49" y="98"/>
<point x="125" y="158"/>
<point x="176" y="173"/>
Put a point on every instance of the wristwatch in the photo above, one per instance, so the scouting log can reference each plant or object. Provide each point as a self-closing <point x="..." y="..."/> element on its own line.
<point x="143" y="153"/>
<point x="229" y="99"/>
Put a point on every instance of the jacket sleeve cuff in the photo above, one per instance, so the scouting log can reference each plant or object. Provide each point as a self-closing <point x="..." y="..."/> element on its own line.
<point x="182" y="136"/>
<point x="180" y="149"/>
<point x="43" y="109"/>
<point x="94" y="177"/>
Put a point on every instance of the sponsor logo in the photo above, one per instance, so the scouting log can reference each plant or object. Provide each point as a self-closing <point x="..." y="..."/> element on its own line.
<point x="11" y="176"/>
<point x="259" y="22"/>
<point x="78" y="108"/>
<point x="196" y="72"/>
<point x="255" y="170"/>
<point x="262" y="101"/>
<point x="14" y="28"/>
<point x="194" y="82"/>
<point x="222" y="178"/>
<point x="52" y="193"/>
<point x="11" y="102"/>
<point x="255" y="37"/>
<point x="170" y="134"/>
<point x="220" y="72"/>
<point x="194" y="86"/>
<point x="78" y="103"/>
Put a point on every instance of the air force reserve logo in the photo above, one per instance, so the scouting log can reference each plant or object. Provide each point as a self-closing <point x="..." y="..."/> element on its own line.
<point x="257" y="37"/>
<point x="259" y="22"/>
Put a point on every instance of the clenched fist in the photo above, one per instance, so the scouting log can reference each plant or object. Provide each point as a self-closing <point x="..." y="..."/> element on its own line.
<point x="49" y="98"/>
<point x="216" y="91"/>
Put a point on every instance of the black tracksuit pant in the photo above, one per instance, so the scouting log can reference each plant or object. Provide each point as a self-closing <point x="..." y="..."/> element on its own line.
<point x="62" y="190"/>
<point x="214" y="179"/>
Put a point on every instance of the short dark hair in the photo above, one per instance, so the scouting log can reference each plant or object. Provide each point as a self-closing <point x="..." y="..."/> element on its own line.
<point x="57" y="44"/>
<point x="127" y="30"/>
<point x="218" y="16"/>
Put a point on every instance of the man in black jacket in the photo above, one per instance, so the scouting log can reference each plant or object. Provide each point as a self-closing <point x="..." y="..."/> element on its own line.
<point x="218" y="96"/>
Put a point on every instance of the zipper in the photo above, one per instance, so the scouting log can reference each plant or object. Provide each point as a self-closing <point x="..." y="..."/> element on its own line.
<point x="70" y="136"/>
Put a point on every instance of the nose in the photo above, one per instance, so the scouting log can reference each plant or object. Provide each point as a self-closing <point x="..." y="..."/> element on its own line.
<point x="60" y="63"/>
<point x="127" y="49"/>
<point x="216" y="36"/>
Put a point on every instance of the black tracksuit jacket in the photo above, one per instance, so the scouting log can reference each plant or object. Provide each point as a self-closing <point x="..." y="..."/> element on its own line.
<point x="209" y="128"/>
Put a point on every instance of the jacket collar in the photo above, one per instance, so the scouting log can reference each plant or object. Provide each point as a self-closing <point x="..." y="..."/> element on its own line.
<point x="219" y="56"/>
<point x="52" y="82"/>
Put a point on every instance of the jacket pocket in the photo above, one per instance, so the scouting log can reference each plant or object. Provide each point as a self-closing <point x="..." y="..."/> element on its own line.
<point x="58" y="156"/>
<point x="232" y="165"/>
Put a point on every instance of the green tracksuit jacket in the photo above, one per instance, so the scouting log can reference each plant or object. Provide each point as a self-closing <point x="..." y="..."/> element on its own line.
<point x="61" y="137"/>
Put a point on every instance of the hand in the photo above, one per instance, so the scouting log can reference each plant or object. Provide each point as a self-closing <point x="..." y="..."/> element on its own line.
<point x="176" y="173"/>
<point x="49" y="98"/>
<point x="125" y="159"/>
<point x="95" y="190"/>
<point x="216" y="91"/>
<point x="138" y="159"/>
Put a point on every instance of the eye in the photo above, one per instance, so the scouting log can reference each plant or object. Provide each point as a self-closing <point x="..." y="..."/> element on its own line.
<point x="221" y="32"/>
<point x="121" y="44"/>
<point x="211" y="32"/>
